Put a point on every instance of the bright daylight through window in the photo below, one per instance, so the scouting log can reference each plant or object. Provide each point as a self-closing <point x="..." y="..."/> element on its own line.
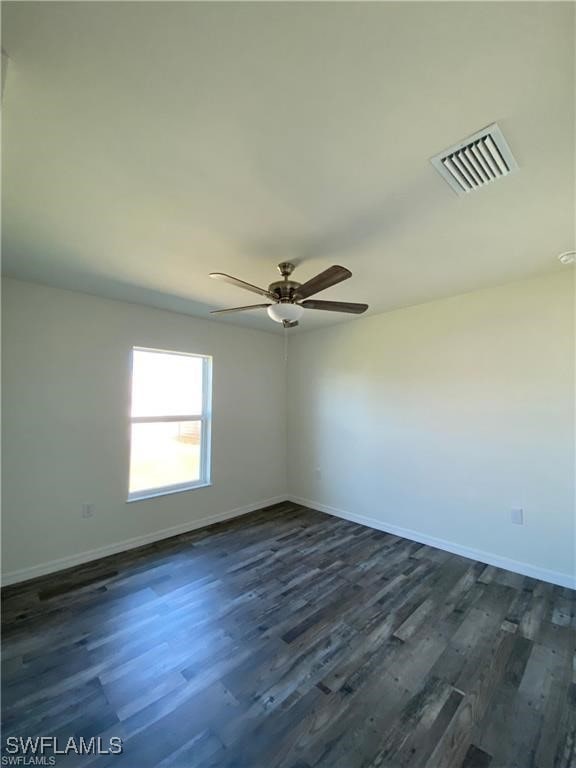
<point x="170" y="422"/>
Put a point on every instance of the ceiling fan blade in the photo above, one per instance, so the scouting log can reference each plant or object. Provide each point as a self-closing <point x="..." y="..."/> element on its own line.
<point x="330" y="276"/>
<point x="242" y="284"/>
<point x="237" y="309"/>
<point x="335" y="306"/>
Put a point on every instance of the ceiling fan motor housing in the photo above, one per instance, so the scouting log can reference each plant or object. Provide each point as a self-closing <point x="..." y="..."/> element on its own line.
<point x="284" y="289"/>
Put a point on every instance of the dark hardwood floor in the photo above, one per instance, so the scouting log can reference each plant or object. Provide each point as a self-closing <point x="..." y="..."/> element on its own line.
<point x="291" y="639"/>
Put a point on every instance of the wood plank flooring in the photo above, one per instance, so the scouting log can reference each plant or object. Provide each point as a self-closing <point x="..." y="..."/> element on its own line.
<point x="291" y="639"/>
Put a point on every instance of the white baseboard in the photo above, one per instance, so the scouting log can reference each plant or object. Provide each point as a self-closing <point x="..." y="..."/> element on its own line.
<point x="553" y="577"/>
<point x="43" y="569"/>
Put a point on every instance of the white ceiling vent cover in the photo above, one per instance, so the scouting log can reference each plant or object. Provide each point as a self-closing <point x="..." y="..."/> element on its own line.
<point x="476" y="161"/>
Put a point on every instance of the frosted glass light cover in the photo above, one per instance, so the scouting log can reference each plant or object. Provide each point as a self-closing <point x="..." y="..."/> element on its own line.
<point x="280" y="312"/>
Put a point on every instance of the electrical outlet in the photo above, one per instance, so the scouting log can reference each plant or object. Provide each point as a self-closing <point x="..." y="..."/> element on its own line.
<point x="87" y="510"/>
<point x="517" y="516"/>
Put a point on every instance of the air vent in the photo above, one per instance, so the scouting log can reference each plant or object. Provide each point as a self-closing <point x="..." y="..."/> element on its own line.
<point x="476" y="161"/>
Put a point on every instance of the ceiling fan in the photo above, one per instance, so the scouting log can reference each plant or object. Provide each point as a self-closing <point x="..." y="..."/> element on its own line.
<point x="288" y="299"/>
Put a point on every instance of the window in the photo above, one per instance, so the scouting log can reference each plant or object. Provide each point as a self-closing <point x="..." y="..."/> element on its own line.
<point x="170" y="422"/>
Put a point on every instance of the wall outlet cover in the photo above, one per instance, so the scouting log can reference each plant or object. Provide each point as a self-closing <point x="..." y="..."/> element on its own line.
<point x="517" y="516"/>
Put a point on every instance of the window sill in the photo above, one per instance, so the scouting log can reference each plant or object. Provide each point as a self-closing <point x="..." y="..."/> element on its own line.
<point x="154" y="494"/>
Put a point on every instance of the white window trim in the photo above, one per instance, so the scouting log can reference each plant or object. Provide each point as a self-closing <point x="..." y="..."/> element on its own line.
<point x="205" y="433"/>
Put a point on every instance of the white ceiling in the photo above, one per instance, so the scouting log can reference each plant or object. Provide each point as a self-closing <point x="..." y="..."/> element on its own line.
<point x="148" y="144"/>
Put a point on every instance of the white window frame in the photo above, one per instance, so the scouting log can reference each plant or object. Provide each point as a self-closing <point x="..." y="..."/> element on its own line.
<point x="205" y="417"/>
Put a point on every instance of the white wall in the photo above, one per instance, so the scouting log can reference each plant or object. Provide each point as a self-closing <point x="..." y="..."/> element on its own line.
<point x="66" y="394"/>
<point x="434" y="420"/>
<point x="440" y="418"/>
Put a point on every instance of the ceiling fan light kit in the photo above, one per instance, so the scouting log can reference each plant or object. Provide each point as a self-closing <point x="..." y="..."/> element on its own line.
<point x="281" y="312"/>
<point x="289" y="298"/>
